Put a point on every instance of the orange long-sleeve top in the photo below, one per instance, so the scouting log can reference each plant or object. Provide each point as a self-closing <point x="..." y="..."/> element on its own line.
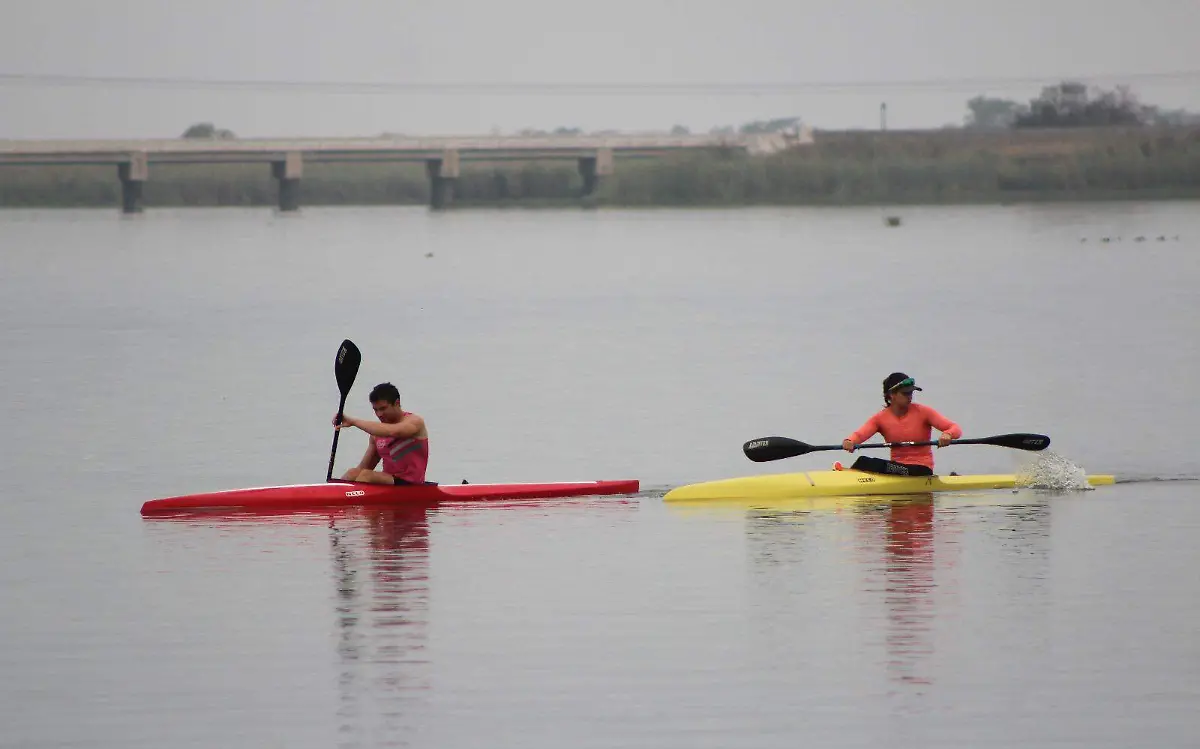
<point x="914" y="426"/>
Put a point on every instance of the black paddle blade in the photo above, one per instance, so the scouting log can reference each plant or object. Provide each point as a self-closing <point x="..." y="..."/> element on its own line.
<point x="345" y="366"/>
<point x="767" y="449"/>
<point x="345" y="369"/>
<point x="1019" y="441"/>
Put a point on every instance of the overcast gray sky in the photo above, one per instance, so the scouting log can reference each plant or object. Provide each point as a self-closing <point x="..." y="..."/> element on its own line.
<point x="634" y="42"/>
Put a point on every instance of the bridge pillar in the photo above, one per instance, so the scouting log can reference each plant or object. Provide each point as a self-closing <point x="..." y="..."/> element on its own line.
<point x="442" y="173"/>
<point x="288" y="173"/>
<point x="133" y="174"/>
<point x="592" y="168"/>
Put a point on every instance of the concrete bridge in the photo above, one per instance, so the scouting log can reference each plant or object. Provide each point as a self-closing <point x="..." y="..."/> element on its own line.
<point x="442" y="155"/>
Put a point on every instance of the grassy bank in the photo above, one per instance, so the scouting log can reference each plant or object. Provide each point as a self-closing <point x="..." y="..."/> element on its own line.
<point x="841" y="168"/>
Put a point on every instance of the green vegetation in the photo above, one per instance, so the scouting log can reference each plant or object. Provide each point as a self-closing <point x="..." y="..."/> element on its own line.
<point x="1071" y="104"/>
<point x="207" y="130"/>
<point x="928" y="167"/>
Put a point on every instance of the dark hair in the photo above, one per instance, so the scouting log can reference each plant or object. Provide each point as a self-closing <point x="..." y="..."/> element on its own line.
<point x="890" y="382"/>
<point x="384" y="391"/>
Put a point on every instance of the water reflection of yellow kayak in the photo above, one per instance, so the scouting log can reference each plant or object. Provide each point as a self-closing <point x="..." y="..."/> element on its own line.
<point x="847" y="483"/>
<point x="798" y="506"/>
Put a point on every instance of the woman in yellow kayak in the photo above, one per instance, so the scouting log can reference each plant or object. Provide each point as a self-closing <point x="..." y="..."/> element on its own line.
<point x="902" y="421"/>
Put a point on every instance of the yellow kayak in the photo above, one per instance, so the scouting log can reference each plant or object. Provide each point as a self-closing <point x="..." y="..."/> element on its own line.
<point x="844" y="483"/>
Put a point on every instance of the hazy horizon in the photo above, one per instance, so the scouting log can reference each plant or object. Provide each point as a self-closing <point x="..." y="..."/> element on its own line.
<point x="541" y="65"/>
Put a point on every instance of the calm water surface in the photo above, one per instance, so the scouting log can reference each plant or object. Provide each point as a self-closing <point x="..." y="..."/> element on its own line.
<point x="184" y="351"/>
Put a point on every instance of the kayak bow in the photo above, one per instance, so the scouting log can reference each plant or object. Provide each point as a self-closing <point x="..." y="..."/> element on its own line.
<point x="843" y="483"/>
<point x="353" y="494"/>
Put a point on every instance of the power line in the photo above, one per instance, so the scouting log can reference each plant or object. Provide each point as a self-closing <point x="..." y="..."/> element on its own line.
<point x="482" y="88"/>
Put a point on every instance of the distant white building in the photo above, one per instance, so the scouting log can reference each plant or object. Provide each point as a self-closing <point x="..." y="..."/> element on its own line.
<point x="1065" y="97"/>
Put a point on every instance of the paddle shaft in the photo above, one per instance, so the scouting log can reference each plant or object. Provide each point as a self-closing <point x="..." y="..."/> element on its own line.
<point x="336" y="432"/>
<point x="977" y="441"/>
<point x="871" y="445"/>
<point x="777" y="448"/>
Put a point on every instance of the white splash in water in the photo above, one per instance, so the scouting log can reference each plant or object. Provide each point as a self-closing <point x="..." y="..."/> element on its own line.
<point x="1052" y="471"/>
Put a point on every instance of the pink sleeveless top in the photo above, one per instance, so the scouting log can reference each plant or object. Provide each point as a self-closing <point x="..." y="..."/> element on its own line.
<point x="404" y="457"/>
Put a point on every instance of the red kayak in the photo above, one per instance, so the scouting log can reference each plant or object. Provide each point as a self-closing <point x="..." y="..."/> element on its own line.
<point x="353" y="494"/>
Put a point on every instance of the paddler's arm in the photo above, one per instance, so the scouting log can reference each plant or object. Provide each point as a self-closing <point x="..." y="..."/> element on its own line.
<point x="370" y="458"/>
<point x="410" y="426"/>
<point x="861" y="435"/>
<point x="949" y="430"/>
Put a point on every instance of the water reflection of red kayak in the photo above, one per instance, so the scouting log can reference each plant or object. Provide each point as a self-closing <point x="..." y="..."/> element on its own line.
<point x="350" y="494"/>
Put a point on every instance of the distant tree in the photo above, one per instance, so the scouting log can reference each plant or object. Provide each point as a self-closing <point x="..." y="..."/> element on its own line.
<point x="987" y="113"/>
<point x="1071" y="104"/>
<point x="568" y="131"/>
<point x="777" y="125"/>
<point x="680" y="130"/>
<point x="1170" y="117"/>
<point x="207" y="130"/>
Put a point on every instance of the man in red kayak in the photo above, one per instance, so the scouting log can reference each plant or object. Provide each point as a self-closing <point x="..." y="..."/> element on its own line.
<point x="902" y="421"/>
<point x="398" y="439"/>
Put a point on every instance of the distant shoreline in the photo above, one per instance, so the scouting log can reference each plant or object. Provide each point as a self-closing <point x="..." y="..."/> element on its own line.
<point x="857" y="168"/>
